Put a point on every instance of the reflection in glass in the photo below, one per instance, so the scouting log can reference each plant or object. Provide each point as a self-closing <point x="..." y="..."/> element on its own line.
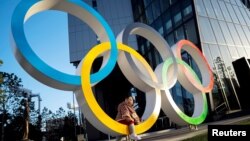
<point x="142" y="49"/>
<point x="226" y="33"/>
<point x="177" y="96"/>
<point x="241" y="51"/>
<point x="158" y="59"/>
<point x="206" y="30"/>
<point x="224" y="11"/>
<point x="158" y="26"/>
<point x="177" y="18"/>
<point x="146" y="2"/>
<point x="187" y="10"/>
<point x="233" y="52"/>
<point x="179" y="34"/>
<point x="170" y="39"/>
<point x="239" y="3"/>
<point x="226" y="55"/>
<point x="200" y="8"/>
<point x="233" y="2"/>
<point x="207" y="54"/>
<point x="168" y="22"/>
<point x="234" y="34"/>
<point x="164" y="5"/>
<point x="215" y="52"/>
<point x="156" y="9"/>
<point x="247" y="33"/>
<point x="217" y="10"/>
<point x="232" y="14"/>
<point x="242" y="35"/>
<point x="245" y="15"/>
<point x="238" y="13"/>
<point x="216" y="27"/>
<point x="149" y="15"/>
<point x="248" y="52"/>
<point x="191" y="32"/>
<point x="209" y="8"/>
<point x="150" y="59"/>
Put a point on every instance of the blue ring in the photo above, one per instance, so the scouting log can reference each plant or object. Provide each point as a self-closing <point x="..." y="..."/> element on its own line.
<point x="46" y="70"/>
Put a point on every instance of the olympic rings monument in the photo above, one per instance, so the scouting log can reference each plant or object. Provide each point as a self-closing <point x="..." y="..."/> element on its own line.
<point x="154" y="83"/>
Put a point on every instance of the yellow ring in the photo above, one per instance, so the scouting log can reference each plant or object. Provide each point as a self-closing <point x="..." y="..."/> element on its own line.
<point x="90" y="98"/>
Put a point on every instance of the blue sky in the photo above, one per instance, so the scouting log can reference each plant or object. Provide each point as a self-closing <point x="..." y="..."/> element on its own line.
<point x="47" y="34"/>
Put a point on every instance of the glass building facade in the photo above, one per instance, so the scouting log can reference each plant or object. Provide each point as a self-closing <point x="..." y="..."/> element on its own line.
<point x="220" y="28"/>
<point x="118" y="15"/>
<point x="174" y="20"/>
<point x="224" y="33"/>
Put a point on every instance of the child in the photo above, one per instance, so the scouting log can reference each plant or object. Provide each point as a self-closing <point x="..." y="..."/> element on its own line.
<point x="127" y="115"/>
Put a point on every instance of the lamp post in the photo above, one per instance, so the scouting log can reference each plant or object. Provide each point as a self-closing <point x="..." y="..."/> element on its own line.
<point x="81" y="123"/>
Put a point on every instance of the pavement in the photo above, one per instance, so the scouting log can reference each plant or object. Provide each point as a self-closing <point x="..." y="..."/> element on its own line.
<point x="184" y="132"/>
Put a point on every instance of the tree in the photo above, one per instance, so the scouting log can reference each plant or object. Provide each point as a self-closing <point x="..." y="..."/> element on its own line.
<point x="69" y="128"/>
<point x="8" y="82"/>
<point x="45" y="116"/>
<point x="60" y="113"/>
<point x="1" y="101"/>
<point x="58" y="124"/>
<point x="14" y="108"/>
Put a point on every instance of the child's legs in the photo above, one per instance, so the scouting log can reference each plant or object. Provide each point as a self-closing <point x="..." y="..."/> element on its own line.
<point x="130" y="124"/>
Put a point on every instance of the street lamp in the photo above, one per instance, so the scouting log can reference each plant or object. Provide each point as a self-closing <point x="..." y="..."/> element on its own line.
<point x="76" y="107"/>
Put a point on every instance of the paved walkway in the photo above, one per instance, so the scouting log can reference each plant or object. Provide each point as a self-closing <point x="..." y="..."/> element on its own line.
<point x="185" y="132"/>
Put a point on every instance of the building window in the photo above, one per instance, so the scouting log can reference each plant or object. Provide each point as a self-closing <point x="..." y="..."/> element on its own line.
<point x="242" y="35"/>
<point x="191" y="32"/>
<point x="158" y="26"/>
<point x="217" y="9"/>
<point x="156" y="9"/>
<point x="224" y="11"/>
<point x="146" y="2"/>
<point x="177" y="18"/>
<point x="142" y="49"/>
<point x="149" y="15"/>
<point x="167" y="22"/>
<point x="150" y="59"/>
<point x="206" y="30"/>
<point x="200" y="8"/>
<point x="226" y="55"/>
<point x="245" y="15"/>
<point x="226" y="33"/>
<point x="187" y="10"/>
<point x="231" y="12"/>
<point x="164" y="5"/>
<point x="170" y="39"/>
<point x="179" y="34"/>
<point x="209" y="8"/>
<point x="171" y="2"/>
<point x="234" y="34"/>
<point x="137" y="8"/>
<point x="94" y="3"/>
<point x="158" y="58"/>
<point x="142" y="19"/>
<point x="219" y="36"/>
<point x="239" y="15"/>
